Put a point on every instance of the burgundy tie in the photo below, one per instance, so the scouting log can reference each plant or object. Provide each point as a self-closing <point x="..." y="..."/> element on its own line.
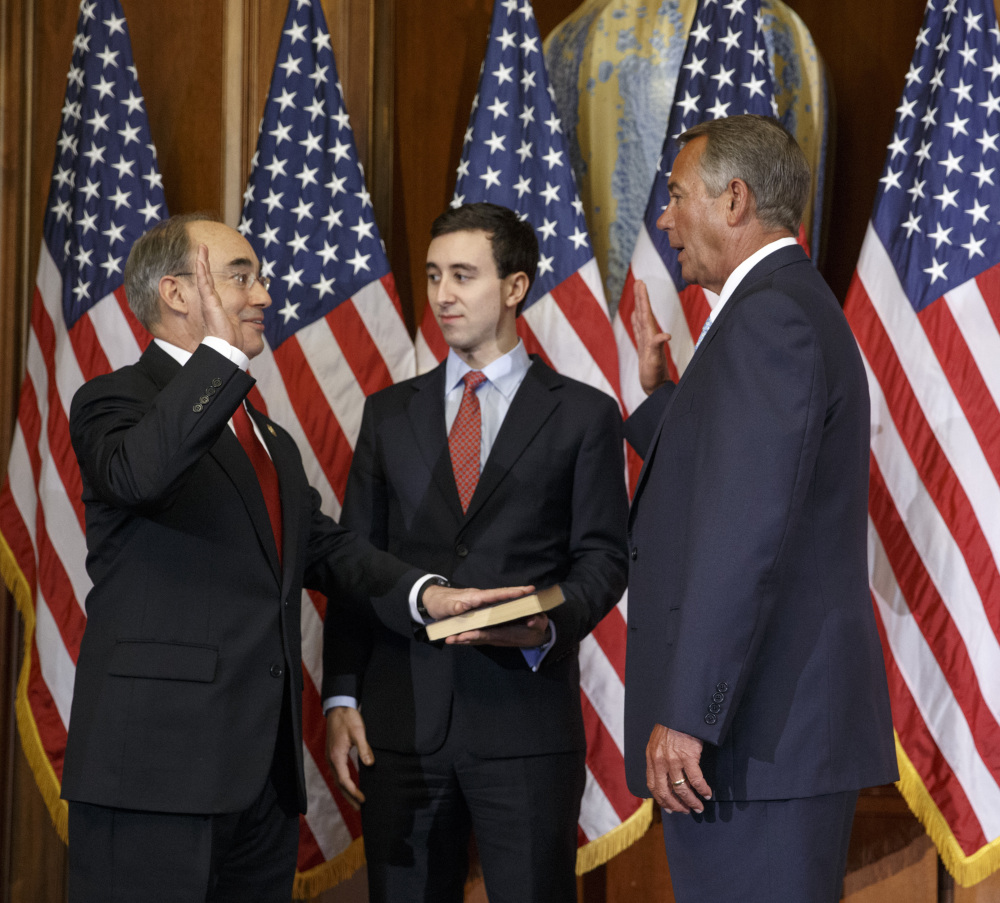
<point x="464" y="439"/>
<point x="267" y="476"/>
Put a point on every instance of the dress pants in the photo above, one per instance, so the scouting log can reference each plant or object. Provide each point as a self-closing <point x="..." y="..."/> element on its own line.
<point x="419" y="812"/>
<point x="761" y="851"/>
<point x="131" y="856"/>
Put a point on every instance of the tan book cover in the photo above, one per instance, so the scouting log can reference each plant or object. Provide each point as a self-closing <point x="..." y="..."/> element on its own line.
<point x="498" y="613"/>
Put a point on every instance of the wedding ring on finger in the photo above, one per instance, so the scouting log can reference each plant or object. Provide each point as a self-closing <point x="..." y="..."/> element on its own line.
<point x="678" y="783"/>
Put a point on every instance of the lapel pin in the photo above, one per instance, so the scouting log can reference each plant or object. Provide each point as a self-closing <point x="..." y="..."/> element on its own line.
<point x="270" y="429"/>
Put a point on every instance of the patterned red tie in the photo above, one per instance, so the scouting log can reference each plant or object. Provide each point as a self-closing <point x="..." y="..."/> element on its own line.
<point x="267" y="476"/>
<point x="464" y="439"/>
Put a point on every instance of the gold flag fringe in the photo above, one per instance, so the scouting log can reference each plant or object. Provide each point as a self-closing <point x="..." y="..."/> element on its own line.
<point x="31" y="742"/>
<point x="617" y="840"/>
<point x="966" y="870"/>
<point x="333" y="871"/>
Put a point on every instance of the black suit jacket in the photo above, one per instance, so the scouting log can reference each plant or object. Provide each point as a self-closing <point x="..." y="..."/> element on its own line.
<point x="549" y="508"/>
<point x="193" y="638"/>
<point x="750" y="620"/>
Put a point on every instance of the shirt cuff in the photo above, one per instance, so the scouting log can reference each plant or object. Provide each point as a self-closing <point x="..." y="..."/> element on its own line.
<point x="228" y="351"/>
<point x="331" y="702"/>
<point x="415" y="594"/>
<point x="535" y="655"/>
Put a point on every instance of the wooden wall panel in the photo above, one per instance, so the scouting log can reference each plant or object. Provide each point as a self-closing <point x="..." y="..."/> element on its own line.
<point x="15" y="84"/>
<point x="180" y="64"/>
<point x="867" y="48"/>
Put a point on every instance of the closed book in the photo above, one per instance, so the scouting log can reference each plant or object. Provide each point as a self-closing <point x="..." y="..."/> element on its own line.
<point x="498" y="613"/>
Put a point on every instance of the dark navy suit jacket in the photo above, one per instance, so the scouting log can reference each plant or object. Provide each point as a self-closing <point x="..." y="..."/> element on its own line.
<point x="750" y="620"/>
<point x="550" y="507"/>
<point x="193" y="641"/>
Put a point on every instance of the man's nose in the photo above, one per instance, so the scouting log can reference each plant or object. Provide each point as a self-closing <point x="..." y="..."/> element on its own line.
<point x="259" y="296"/>
<point x="443" y="290"/>
<point x="665" y="220"/>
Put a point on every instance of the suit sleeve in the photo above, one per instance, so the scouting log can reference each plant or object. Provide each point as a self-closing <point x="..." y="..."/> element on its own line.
<point x="640" y="428"/>
<point x="756" y="426"/>
<point x="599" y="564"/>
<point x="364" y="580"/>
<point x="136" y="455"/>
<point x="347" y="639"/>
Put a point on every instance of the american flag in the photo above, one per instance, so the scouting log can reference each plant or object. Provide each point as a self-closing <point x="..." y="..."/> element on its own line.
<point x="335" y="334"/>
<point x="726" y="71"/>
<point x="105" y="192"/>
<point x="925" y="308"/>
<point x="516" y="155"/>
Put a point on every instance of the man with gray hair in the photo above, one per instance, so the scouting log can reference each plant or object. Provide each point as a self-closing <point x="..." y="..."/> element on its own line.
<point x="183" y="765"/>
<point x="756" y="703"/>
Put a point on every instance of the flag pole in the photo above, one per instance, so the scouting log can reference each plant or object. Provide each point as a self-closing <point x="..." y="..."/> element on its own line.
<point x="945" y="883"/>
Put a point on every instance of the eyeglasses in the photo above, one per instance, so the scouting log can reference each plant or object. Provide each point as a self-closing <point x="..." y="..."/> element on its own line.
<point x="244" y="281"/>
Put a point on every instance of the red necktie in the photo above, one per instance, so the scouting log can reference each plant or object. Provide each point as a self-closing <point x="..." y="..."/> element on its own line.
<point x="464" y="439"/>
<point x="267" y="476"/>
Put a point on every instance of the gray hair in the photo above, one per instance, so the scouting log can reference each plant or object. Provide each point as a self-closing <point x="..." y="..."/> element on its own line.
<point x="759" y="151"/>
<point x="162" y="251"/>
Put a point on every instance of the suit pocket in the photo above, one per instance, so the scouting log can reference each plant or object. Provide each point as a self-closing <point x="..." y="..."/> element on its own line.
<point x="164" y="661"/>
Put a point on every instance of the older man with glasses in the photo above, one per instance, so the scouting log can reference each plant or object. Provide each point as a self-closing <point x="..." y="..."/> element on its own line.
<point x="183" y="764"/>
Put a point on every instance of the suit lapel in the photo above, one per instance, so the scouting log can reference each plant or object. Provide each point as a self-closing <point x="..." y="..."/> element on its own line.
<point x="426" y="415"/>
<point x="533" y="404"/>
<point x="229" y="455"/>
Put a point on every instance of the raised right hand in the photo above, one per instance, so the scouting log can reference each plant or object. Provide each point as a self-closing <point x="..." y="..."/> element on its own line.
<point x="649" y="341"/>
<point x="218" y="321"/>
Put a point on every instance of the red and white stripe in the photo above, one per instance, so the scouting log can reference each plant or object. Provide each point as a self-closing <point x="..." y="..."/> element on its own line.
<point x="315" y="386"/>
<point x="41" y="512"/>
<point x="934" y="537"/>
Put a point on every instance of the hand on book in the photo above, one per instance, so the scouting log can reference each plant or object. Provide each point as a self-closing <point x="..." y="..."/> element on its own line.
<point x="445" y="601"/>
<point x="526" y="634"/>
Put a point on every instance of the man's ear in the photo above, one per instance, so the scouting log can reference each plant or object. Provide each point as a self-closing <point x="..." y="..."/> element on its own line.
<point x="740" y="202"/>
<point x="171" y="294"/>
<point x="514" y="288"/>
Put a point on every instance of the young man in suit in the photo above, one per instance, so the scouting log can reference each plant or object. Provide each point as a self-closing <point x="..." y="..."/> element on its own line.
<point x="183" y="765"/>
<point x="483" y="732"/>
<point x="756" y="702"/>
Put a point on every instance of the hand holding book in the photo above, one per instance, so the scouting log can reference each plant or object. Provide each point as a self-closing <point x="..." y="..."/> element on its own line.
<point x="493" y="623"/>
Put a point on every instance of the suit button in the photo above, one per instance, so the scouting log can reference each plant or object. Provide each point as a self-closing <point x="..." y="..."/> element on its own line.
<point x="196" y="408"/>
<point x="710" y="718"/>
<point x="210" y="390"/>
<point x="277" y="670"/>
<point x="462" y="550"/>
<point x="635" y="553"/>
<point x="719" y="697"/>
<point x="216" y="382"/>
<point x="715" y="708"/>
<point x="723" y="687"/>
<point x="204" y="399"/>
